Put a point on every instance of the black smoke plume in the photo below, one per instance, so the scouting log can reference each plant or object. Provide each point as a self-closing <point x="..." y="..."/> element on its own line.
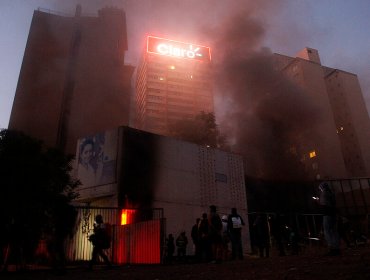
<point x="266" y="116"/>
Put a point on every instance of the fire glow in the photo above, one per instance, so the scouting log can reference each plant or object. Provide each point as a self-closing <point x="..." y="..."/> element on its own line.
<point x="178" y="49"/>
<point x="127" y="216"/>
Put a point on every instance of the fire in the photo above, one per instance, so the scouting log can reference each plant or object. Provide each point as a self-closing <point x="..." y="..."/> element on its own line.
<point x="127" y="216"/>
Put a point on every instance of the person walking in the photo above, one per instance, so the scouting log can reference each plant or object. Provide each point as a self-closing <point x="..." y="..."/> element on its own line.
<point x="100" y="240"/>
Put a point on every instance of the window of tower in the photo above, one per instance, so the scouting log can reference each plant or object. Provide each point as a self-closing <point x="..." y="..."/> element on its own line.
<point x="312" y="154"/>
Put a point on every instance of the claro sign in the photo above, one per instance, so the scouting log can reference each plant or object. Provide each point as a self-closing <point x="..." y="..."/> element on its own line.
<point x="178" y="49"/>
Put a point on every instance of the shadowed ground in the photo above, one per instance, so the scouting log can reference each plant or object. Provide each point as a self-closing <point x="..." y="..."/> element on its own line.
<point x="311" y="264"/>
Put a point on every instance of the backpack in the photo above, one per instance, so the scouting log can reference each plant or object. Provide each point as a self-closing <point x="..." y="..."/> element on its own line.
<point x="236" y="222"/>
<point x="102" y="237"/>
<point x="106" y="236"/>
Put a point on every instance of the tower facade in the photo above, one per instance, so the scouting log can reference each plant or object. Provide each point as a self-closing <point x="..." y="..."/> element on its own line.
<point x="337" y="147"/>
<point x="73" y="80"/>
<point x="351" y="120"/>
<point x="174" y="82"/>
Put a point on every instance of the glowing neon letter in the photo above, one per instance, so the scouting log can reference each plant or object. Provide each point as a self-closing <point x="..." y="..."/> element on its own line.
<point x="162" y="49"/>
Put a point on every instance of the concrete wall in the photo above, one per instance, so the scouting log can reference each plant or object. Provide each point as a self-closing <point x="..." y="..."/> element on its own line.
<point x="191" y="178"/>
<point x="182" y="178"/>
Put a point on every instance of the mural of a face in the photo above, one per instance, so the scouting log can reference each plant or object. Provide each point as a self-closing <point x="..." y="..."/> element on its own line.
<point x="86" y="154"/>
<point x="97" y="156"/>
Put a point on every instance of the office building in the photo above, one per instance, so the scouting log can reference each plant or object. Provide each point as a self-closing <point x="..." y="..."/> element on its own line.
<point x="73" y="80"/>
<point x="338" y="145"/>
<point x="351" y="120"/>
<point x="173" y="83"/>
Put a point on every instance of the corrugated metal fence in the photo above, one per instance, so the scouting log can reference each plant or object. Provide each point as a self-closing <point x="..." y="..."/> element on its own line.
<point x="137" y="242"/>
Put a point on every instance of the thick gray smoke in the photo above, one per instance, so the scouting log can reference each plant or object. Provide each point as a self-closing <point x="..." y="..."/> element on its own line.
<point x="265" y="115"/>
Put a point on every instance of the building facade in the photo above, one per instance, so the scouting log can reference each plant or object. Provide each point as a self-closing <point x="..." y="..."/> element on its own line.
<point x="73" y="80"/>
<point x="173" y="83"/>
<point x="133" y="169"/>
<point x="351" y="120"/>
<point x="337" y="147"/>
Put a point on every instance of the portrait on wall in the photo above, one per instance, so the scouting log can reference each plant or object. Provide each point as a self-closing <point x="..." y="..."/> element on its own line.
<point x="97" y="156"/>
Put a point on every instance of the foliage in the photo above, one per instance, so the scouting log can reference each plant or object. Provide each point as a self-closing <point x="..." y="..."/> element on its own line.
<point x="202" y="130"/>
<point x="34" y="181"/>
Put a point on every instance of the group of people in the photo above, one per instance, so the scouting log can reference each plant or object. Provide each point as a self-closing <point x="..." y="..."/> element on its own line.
<point x="211" y="235"/>
<point x="181" y="244"/>
<point x="334" y="228"/>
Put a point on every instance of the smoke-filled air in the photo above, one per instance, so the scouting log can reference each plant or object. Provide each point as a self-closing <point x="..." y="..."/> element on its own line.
<point x="262" y="113"/>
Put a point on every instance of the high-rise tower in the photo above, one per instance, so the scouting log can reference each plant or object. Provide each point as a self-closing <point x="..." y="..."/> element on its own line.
<point x="73" y="81"/>
<point x="174" y="82"/>
<point x="351" y="120"/>
<point x="338" y="146"/>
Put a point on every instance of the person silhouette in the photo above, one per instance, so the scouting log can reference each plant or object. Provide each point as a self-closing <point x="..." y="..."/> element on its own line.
<point x="101" y="240"/>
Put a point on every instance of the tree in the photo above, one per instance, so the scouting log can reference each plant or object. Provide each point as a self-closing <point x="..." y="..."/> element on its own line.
<point x="34" y="181"/>
<point x="202" y="130"/>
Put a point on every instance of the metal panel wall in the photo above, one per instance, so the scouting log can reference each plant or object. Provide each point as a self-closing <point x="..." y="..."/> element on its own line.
<point x="139" y="242"/>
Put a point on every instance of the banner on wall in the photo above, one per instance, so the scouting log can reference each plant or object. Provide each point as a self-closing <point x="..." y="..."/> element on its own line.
<point x="97" y="158"/>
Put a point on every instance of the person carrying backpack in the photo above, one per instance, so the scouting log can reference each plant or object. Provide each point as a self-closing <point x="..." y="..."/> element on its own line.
<point x="101" y="239"/>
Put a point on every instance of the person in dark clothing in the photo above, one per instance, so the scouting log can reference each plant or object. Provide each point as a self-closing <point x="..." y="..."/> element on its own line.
<point x="63" y="219"/>
<point x="100" y="240"/>
<point x="170" y="242"/>
<point x="294" y="239"/>
<point x="225" y="237"/>
<point x="204" y="242"/>
<point x="328" y="208"/>
<point x="277" y="230"/>
<point x="195" y="239"/>
<point x="343" y="230"/>
<point x="215" y="234"/>
<point x="235" y="224"/>
<point x="181" y="243"/>
<point x="262" y="235"/>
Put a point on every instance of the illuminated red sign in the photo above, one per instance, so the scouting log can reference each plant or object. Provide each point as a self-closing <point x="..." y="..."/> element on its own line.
<point x="178" y="49"/>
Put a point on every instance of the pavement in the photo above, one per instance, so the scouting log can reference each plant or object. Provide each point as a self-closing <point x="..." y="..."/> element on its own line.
<point x="353" y="263"/>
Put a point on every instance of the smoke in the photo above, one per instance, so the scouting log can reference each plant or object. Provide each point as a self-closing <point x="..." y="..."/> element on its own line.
<point x="264" y="114"/>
